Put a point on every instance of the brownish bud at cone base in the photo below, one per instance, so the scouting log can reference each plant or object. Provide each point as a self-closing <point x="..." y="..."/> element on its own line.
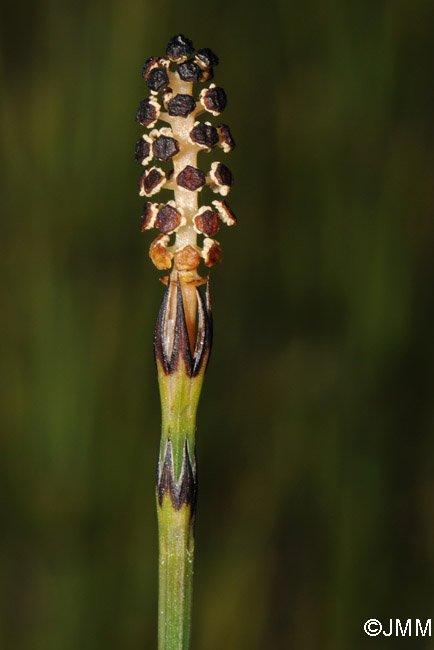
<point x="159" y="254"/>
<point x="187" y="259"/>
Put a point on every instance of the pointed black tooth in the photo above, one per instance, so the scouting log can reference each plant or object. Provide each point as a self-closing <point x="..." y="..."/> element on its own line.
<point x="204" y="335"/>
<point x="159" y="351"/>
<point x="201" y="326"/>
<point x="165" y="479"/>
<point x="187" y="491"/>
<point x="181" y="343"/>
<point x="183" y="491"/>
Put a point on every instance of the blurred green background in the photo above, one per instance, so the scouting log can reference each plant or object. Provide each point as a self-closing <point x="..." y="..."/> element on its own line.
<point x="315" y="443"/>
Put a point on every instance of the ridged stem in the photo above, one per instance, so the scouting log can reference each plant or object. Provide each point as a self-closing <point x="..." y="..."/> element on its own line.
<point x="176" y="491"/>
<point x="180" y="377"/>
<point x="176" y="554"/>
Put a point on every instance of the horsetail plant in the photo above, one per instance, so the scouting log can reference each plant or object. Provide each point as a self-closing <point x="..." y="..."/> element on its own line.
<point x="183" y="332"/>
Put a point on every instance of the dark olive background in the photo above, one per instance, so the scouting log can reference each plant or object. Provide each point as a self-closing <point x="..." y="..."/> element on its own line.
<point x="315" y="443"/>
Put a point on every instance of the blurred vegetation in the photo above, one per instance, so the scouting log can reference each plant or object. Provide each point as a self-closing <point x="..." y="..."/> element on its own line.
<point x="315" y="440"/>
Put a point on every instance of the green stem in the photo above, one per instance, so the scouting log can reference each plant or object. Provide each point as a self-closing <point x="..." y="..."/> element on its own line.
<point x="176" y="537"/>
<point x="176" y="491"/>
<point x="180" y="377"/>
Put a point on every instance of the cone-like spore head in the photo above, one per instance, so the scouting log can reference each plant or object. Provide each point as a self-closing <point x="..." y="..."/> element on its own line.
<point x="182" y="120"/>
